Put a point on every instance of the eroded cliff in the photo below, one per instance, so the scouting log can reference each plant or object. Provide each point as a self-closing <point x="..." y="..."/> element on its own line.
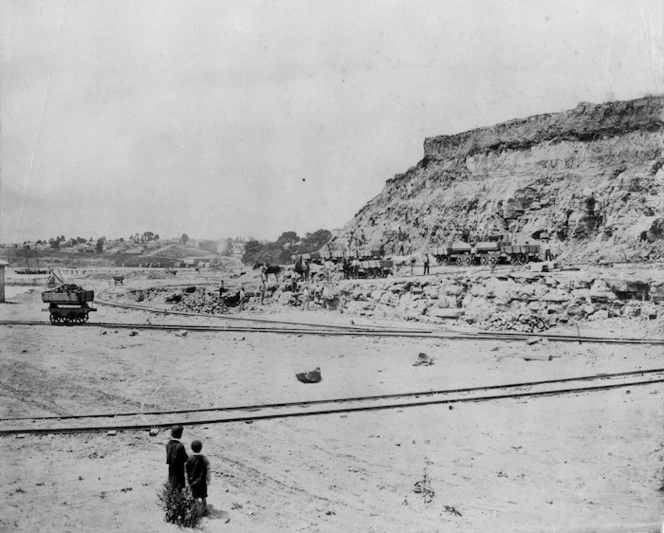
<point x="590" y="179"/>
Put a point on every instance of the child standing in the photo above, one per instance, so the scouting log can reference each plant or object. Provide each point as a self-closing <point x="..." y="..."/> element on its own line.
<point x="198" y="473"/>
<point x="176" y="457"/>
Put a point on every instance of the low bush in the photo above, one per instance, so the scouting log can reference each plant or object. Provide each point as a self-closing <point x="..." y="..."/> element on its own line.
<point x="178" y="505"/>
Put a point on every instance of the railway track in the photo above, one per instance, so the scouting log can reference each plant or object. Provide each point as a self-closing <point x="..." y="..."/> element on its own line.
<point x="251" y="413"/>
<point x="133" y="307"/>
<point x="358" y="331"/>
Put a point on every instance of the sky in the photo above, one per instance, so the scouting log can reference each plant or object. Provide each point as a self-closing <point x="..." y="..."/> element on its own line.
<point x="251" y="118"/>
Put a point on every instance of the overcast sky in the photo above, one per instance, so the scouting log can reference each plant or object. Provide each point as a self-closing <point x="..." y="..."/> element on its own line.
<point x="223" y="118"/>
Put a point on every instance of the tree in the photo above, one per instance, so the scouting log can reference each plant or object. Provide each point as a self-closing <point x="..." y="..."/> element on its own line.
<point x="313" y="242"/>
<point x="99" y="247"/>
<point x="252" y="251"/>
<point x="208" y="246"/>
<point x="184" y="239"/>
<point x="287" y="238"/>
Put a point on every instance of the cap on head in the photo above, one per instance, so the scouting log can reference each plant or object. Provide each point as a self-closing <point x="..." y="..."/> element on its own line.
<point x="196" y="446"/>
<point x="176" y="431"/>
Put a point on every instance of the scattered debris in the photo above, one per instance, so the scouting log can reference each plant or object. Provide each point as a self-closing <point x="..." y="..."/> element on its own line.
<point x="133" y="333"/>
<point x="112" y="433"/>
<point x="310" y="377"/>
<point x="181" y="333"/>
<point x="154" y="432"/>
<point x="424" y="487"/>
<point x="534" y="340"/>
<point x="533" y="357"/>
<point x="452" y="510"/>
<point x="423" y="359"/>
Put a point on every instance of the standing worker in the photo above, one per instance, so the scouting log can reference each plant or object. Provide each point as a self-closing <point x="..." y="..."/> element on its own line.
<point x="242" y="296"/>
<point x="306" y="296"/>
<point x="426" y="264"/>
<point x="262" y="291"/>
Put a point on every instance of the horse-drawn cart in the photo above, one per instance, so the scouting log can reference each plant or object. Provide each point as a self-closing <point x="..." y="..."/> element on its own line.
<point x="68" y="304"/>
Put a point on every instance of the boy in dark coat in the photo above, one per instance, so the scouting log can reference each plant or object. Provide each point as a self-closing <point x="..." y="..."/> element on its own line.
<point x="198" y="473"/>
<point x="176" y="457"/>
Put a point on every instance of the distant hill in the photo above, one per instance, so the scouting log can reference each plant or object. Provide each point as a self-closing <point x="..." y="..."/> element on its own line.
<point x="177" y="251"/>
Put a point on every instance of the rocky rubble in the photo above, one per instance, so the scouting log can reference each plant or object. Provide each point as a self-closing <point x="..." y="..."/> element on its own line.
<point x="520" y="301"/>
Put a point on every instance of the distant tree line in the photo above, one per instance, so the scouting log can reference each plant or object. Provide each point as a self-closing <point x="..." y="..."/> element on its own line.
<point x="285" y="248"/>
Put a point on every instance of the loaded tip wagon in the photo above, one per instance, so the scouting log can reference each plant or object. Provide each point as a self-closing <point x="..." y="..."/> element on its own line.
<point x="68" y="304"/>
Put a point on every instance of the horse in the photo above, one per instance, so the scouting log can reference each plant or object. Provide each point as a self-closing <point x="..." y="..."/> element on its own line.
<point x="269" y="269"/>
<point x="302" y="268"/>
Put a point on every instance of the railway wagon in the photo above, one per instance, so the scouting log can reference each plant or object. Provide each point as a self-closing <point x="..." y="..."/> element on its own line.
<point x="333" y="255"/>
<point x="378" y="268"/>
<point x="69" y="307"/>
<point x="485" y="253"/>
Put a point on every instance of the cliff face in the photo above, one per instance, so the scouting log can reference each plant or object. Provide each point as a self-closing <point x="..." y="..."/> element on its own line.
<point x="591" y="179"/>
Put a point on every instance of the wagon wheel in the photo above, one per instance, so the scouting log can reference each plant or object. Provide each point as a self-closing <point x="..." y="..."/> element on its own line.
<point x="468" y="260"/>
<point x="459" y="261"/>
<point x="68" y="319"/>
<point x="523" y="259"/>
<point x="86" y="316"/>
<point x="54" y="318"/>
<point x="58" y="320"/>
<point x="493" y="259"/>
<point x="484" y="260"/>
<point x="514" y="259"/>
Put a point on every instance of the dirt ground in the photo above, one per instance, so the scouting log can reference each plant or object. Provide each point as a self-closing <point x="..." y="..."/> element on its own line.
<point x="581" y="462"/>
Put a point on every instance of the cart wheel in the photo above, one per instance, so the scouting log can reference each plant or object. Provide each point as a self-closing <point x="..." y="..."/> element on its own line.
<point x="86" y="316"/>
<point x="468" y="260"/>
<point x="58" y="320"/>
<point x="68" y="319"/>
<point x="493" y="259"/>
<point x="514" y="259"/>
<point x="484" y="260"/>
<point x="459" y="261"/>
<point x="54" y="318"/>
<point x="523" y="259"/>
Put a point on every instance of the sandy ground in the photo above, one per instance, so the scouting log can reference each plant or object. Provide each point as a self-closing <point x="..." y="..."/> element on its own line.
<point x="583" y="462"/>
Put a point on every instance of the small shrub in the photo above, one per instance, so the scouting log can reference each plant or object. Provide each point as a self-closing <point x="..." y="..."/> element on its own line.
<point x="178" y="505"/>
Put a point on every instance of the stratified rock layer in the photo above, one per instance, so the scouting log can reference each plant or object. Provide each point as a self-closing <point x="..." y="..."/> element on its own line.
<point x="591" y="179"/>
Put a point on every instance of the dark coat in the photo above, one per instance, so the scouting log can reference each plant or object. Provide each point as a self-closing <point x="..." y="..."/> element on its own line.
<point x="176" y="457"/>
<point x="197" y="473"/>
